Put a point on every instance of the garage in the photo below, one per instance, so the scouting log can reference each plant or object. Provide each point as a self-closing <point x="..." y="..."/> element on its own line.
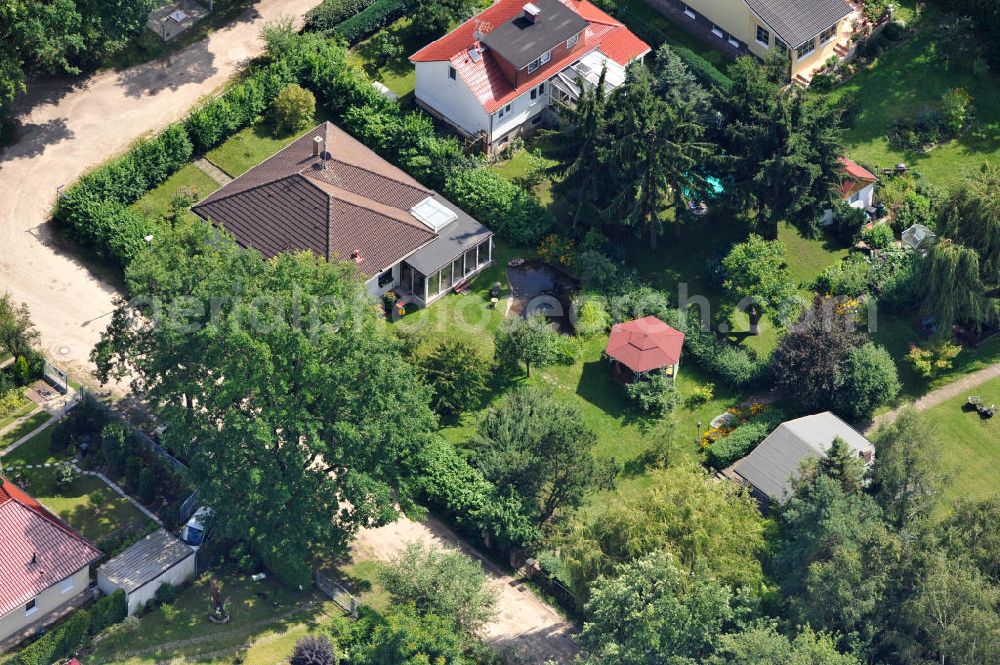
<point x="159" y="558"/>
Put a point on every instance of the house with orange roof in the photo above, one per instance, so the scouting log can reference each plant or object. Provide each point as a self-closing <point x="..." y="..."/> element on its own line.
<point x="496" y="75"/>
<point x="857" y="189"/>
<point x="44" y="564"/>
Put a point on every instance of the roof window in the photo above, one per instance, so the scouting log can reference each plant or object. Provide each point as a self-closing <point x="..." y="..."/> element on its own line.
<point x="433" y="214"/>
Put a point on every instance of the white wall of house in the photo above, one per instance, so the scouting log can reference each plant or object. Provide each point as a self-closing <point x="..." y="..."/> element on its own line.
<point x="376" y="291"/>
<point x="47" y="601"/>
<point x="176" y="575"/>
<point x="522" y="110"/>
<point x="450" y="98"/>
<point x="864" y="198"/>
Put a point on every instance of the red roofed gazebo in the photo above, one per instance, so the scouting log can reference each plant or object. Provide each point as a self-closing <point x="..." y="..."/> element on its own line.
<point x="642" y="346"/>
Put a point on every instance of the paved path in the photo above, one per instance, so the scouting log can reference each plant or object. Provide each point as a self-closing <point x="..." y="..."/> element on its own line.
<point x="964" y="386"/>
<point x="72" y="126"/>
<point x="213" y="171"/>
<point x="526" y="628"/>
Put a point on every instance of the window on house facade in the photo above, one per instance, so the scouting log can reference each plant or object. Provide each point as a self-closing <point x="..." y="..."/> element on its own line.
<point x="763" y="36"/>
<point x="385" y="278"/>
<point x="828" y="34"/>
<point x="855" y="197"/>
<point x="30" y="608"/>
<point x="689" y="13"/>
<point x="571" y="42"/>
<point x="538" y="62"/>
<point x="806" y="49"/>
<point x="718" y="32"/>
<point x="67" y="585"/>
<point x="504" y="111"/>
<point x="780" y="45"/>
<point x="452" y="73"/>
<point x="538" y="92"/>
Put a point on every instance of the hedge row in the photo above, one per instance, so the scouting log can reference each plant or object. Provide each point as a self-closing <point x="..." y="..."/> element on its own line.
<point x="329" y="13"/>
<point x="510" y="211"/>
<point x="374" y="17"/>
<point x="707" y="73"/>
<point x="56" y="645"/>
<point x="450" y="486"/>
<point x="740" y="443"/>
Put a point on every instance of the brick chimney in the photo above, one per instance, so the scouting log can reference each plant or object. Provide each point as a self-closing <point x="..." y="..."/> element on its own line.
<point x="317" y="146"/>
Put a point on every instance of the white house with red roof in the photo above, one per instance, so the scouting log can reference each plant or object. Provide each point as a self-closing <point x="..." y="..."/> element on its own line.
<point x="44" y="564"/>
<point x="857" y="188"/>
<point x="496" y="74"/>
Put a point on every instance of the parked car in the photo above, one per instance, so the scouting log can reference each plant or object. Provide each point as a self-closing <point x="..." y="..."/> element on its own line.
<point x="197" y="528"/>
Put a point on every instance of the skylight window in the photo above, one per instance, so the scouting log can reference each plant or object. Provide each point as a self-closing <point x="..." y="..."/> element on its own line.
<point x="433" y="214"/>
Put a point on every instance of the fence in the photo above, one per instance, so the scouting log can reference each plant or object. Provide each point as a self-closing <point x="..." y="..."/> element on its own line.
<point x="337" y="593"/>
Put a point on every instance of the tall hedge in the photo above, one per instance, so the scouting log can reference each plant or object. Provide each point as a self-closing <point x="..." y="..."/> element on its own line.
<point x="449" y="485"/>
<point x="56" y="645"/>
<point x="510" y="211"/>
<point x="329" y="13"/>
<point x="366" y="23"/>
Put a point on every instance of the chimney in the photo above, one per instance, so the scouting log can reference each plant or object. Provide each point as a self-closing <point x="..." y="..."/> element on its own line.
<point x="318" y="146"/>
<point x="531" y="12"/>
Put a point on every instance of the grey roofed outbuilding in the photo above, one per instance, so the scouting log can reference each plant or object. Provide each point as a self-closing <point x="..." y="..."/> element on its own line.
<point x="521" y="41"/>
<point x="145" y="561"/>
<point x="796" y="21"/>
<point x="772" y="465"/>
<point x="457" y="236"/>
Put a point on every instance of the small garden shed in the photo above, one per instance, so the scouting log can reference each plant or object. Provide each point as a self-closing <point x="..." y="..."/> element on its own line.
<point x="157" y="559"/>
<point x="642" y="346"/>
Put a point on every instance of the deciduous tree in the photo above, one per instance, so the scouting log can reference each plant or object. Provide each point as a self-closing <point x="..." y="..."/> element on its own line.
<point x="531" y="340"/>
<point x="904" y="476"/>
<point x="457" y="373"/>
<point x="756" y="271"/>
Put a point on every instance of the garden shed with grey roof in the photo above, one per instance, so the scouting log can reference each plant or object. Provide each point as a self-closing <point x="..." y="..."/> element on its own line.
<point x="159" y="558"/>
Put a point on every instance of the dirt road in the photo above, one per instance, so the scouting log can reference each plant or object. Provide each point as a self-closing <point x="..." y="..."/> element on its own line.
<point x="526" y="629"/>
<point x="73" y="126"/>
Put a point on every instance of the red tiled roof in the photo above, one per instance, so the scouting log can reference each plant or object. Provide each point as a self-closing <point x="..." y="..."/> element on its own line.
<point x="856" y="171"/>
<point x="353" y="202"/>
<point x="38" y="549"/>
<point x="488" y="83"/>
<point x="645" y="344"/>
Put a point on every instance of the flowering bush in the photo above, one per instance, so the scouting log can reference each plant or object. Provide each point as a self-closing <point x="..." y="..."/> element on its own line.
<point x="556" y="250"/>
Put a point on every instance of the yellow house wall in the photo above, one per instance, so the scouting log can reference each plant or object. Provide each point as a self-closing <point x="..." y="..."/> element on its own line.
<point x="733" y="16"/>
<point x="807" y="65"/>
<point x="47" y="601"/>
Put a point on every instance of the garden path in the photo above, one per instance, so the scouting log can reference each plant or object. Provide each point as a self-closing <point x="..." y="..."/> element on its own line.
<point x="526" y="628"/>
<point x="964" y="385"/>
<point x="72" y="125"/>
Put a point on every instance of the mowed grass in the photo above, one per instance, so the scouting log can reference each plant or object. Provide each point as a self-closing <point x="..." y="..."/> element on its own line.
<point x="259" y="628"/>
<point x="910" y="79"/>
<point x="252" y="145"/>
<point x="87" y="505"/>
<point x="25" y="427"/>
<point x="188" y="179"/>
<point x="23" y="409"/>
<point x="397" y="73"/>
<point x="970" y="455"/>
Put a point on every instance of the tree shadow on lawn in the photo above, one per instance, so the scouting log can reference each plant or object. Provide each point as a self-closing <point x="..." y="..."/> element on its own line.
<point x="597" y="387"/>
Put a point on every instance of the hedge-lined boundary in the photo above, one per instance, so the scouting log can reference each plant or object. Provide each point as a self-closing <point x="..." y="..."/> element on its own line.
<point x="366" y="23"/>
<point x="95" y="209"/>
<point x="56" y="645"/>
<point x="329" y="13"/>
<point x="108" y="611"/>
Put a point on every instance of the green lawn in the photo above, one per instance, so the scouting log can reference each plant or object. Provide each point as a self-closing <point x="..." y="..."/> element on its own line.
<point x="89" y="506"/>
<point x="970" y="456"/>
<point x="267" y="619"/>
<point x="26" y="407"/>
<point x="397" y="73"/>
<point x="249" y="147"/>
<point x="26" y="427"/>
<point x="189" y="179"/>
<point x="637" y="14"/>
<point x="911" y="79"/>
<point x="539" y="152"/>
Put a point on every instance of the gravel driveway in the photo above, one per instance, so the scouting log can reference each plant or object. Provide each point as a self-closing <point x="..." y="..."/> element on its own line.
<point x="71" y="126"/>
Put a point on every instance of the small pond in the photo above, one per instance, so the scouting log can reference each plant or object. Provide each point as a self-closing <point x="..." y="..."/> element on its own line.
<point x="537" y="286"/>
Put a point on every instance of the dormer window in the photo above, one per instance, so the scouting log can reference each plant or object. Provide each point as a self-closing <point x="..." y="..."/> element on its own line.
<point x="571" y="42"/>
<point x="538" y="62"/>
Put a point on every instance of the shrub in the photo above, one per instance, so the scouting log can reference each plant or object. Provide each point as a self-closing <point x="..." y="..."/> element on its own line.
<point x="369" y="21"/>
<point x="133" y="469"/>
<point x="165" y="594"/>
<point x="596" y="270"/>
<point x="448" y="484"/>
<point x="329" y="13"/>
<point x="113" y="447"/>
<point x="21" y="371"/>
<point x="740" y="443"/>
<point x="512" y="213"/>
<point x="701" y="395"/>
<point x="64" y="476"/>
<point x="707" y="73"/>
<point x="866" y="381"/>
<point x="146" y="486"/>
<point x="313" y="650"/>
<point x="930" y="361"/>
<point x="56" y="645"/>
<point x="955" y="110"/>
<point x="844" y="278"/>
<point x="592" y="317"/>
<point x="294" y="109"/>
<point x="386" y="47"/>
<point x="108" y="611"/>
<point x="878" y="236"/>
<point x="655" y="395"/>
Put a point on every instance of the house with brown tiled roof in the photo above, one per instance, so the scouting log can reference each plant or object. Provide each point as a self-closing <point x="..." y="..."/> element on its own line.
<point x="329" y="194"/>
<point x="44" y="564"/>
<point x="497" y="74"/>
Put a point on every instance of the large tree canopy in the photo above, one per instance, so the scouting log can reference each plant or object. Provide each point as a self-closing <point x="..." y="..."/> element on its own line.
<point x="290" y="403"/>
<point x="756" y="271"/>
<point x="962" y="271"/>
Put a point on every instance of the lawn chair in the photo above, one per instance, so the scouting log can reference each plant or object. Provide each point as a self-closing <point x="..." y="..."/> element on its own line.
<point x="986" y="412"/>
